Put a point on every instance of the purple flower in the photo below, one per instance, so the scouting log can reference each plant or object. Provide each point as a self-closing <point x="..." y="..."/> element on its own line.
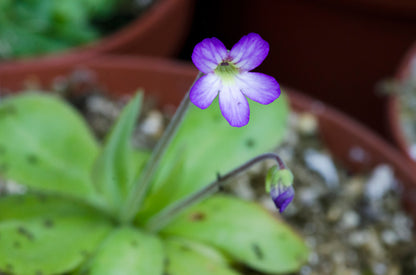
<point x="227" y="75"/>
<point x="282" y="195"/>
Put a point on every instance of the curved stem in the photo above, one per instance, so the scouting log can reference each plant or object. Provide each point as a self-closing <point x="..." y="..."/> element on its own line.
<point x="167" y="214"/>
<point x="139" y="190"/>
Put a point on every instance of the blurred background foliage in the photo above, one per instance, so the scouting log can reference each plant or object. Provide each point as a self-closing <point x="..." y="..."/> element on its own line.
<point x="33" y="27"/>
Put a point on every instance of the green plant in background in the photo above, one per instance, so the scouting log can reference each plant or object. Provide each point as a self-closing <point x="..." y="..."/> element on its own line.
<point x="115" y="209"/>
<point x="30" y="27"/>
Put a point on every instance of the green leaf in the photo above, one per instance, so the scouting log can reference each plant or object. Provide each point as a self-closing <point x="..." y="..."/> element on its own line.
<point x="154" y="202"/>
<point x="213" y="146"/>
<point x="118" y="164"/>
<point x="46" y="145"/>
<point x="244" y="231"/>
<point x="187" y="257"/>
<point x="128" y="251"/>
<point x="47" y="235"/>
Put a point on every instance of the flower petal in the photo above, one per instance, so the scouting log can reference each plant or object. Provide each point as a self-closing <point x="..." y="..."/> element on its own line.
<point x="205" y="90"/>
<point x="234" y="106"/>
<point x="258" y="87"/>
<point x="282" y="196"/>
<point x="208" y="54"/>
<point x="249" y="52"/>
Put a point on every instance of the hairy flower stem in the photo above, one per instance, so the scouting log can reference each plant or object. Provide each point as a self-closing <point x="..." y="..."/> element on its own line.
<point x="139" y="190"/>
<point x="166" y="215"/>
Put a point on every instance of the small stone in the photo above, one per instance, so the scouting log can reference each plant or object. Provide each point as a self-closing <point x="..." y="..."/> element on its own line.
<point x="357" y="238"/>
<point x="389" y="237"/>
<point x="403" y="227"/>
<point x="374" y="246"/>
<point x="354" y="187"/>
<point x="308" y="195"/>
<point x="379" y="269"/>
<point x="313" y="258"/>
<point x="305" y="270"/>
<point x="350" y="220"/>
<point x="307" y="124"/>
<point x="412" y="151"/>
<point x="380" y="182"/>
<point x="102" y="106"/>
<point x="334" y="214"/>
<point x="242" y="188"/>
<point x="358" y="154"/>
<point x="323" y="165"/>
<point x="153" y="124"/>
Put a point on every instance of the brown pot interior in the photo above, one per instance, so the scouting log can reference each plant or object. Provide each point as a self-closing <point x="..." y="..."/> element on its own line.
<point x="336" y="51"/>
<point x="349" y="142"/>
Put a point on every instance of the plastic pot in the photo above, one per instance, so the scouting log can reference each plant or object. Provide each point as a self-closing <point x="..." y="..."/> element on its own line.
<point x="352" y="144"/>
<point x="159" y="31"/>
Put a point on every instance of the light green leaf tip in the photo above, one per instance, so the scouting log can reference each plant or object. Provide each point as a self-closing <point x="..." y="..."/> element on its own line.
<point x="118" y="163"/>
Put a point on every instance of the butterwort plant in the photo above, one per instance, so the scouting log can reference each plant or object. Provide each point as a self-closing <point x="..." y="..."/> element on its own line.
<point x="111" y="208"/>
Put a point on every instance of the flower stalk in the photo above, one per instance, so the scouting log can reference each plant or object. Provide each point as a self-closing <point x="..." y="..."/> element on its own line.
<point x="166" y="215"/>
<point x="140" y="189"/>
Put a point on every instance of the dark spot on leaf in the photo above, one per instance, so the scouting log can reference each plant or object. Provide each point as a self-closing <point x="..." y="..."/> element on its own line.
<point x="282" y="236"/>
<point x="250" y="143"/>
<point x="9" y="267"/>
<point x="7" y="111"/>
<point x="3" y="168"/>
<point x="24" y="232"/>
<point x="85" y="253"/>
<point x="134" y="243"/>
<point x="2" y="149"/>
<point x="16" y="244"/>
<point x="42" y="198"/>
<point x="166" y="273"/>
<point x="166" y="263"/>
<point x="300" y="257"/>
<point x="38" y="272"/>
<point x="257" y="251"/>
<point x="48" y="223"/>
<point x="32" y="159"/>
<point x="197" y="216"/>
<point x="184" y="248"/>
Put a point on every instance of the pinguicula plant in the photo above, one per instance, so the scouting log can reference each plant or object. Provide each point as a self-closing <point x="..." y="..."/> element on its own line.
<point x="110" y="208"/>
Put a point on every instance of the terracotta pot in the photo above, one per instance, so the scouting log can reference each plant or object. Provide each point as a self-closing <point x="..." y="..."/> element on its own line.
<point x="351" y="143"/>
<point x="393" y="108"/>
<point x="159" y="31"/>
<point x="335" y="50"/>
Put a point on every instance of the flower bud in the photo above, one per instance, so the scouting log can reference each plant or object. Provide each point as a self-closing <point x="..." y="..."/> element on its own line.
<point x="279" y="183"/>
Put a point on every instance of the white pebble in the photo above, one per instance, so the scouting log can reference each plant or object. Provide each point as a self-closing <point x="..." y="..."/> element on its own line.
<point x="380" y="182"/>
<point x="323" y="165"/>
<point x="389" y="237"/>
<point x="350" y="219"/>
